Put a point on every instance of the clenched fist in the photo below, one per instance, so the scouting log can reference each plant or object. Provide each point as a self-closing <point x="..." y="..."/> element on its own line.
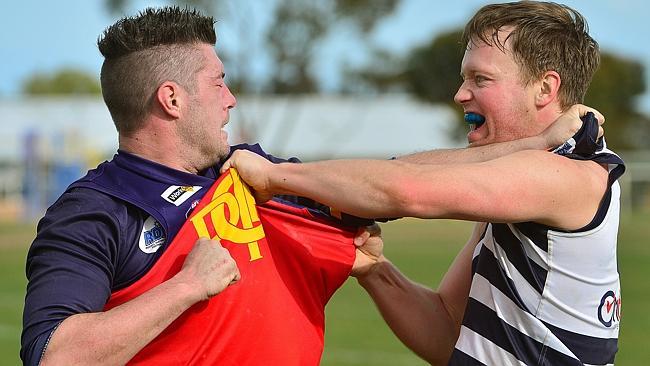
<point x="210" y="268"/>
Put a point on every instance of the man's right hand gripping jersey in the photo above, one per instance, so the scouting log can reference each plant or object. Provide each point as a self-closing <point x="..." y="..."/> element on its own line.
<point x="290" y="263"/>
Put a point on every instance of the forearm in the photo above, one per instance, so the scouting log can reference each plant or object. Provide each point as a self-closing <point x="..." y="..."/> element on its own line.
<point x="427" y="322"/>
<point x="113" y="337"/>
<point x="364" y="188"/>
<point x="476" y="154"/>
<point x="415" y="314"/>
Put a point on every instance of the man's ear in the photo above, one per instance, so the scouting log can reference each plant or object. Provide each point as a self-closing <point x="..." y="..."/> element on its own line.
<point x="169" y="98"/>
<point x="548" y="88"/>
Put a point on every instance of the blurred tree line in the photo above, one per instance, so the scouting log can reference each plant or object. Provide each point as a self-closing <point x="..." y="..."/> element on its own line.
<point x="430" y="72"/>
<point x="64" y="81"/>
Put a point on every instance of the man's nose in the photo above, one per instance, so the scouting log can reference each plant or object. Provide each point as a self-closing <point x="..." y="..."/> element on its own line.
<point x="231" y="100"/>
<point x="462" y="95"/>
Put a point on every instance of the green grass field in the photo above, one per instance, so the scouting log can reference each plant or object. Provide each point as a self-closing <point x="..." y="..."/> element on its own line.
<point x="356" y="334"/>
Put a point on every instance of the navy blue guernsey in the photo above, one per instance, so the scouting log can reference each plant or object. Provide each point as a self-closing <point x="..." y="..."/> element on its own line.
<point x="105" y="232"/>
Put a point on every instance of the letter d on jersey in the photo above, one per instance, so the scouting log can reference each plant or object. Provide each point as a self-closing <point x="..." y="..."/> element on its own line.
<point x="231" y="215"/>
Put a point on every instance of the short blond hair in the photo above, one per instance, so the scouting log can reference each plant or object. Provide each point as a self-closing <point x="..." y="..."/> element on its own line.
<point x="546" y="36"/>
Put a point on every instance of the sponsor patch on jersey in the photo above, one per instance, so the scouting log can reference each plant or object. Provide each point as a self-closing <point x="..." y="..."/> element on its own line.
<point x="176" y="195"/>
<point x="609" y="310"/>
<point x="152" y="236"/>
<point x="192" y="207"/>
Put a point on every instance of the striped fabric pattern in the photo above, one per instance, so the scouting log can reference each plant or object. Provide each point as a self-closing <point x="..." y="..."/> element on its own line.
<point x="541" y="296"/>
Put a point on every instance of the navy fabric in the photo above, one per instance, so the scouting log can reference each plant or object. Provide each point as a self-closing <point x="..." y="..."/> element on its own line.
<point x="585" y="145"/>
<point x="516" y="253"/>
<point x="87" y="243"/>
<point x="141" y="182"/>
<point x="585" y="142"/>
<point x="485" y="322"/>
<point x="459" y="358"/>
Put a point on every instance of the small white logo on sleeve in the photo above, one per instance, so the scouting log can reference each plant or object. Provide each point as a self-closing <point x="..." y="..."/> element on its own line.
<point x="152" y="236"/>
<point x="176" y="195"/>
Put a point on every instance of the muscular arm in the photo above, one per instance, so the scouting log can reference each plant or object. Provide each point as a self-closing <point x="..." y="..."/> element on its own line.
<point x="475" y="154"/>
<point x="76" y="261"/>
<point x="113" y="337"/>
<point x="526" y="186"/>
<point x="426" y="321"/>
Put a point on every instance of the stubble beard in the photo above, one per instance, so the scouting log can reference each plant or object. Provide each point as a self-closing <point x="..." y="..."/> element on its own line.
<point x="203" y="150"/>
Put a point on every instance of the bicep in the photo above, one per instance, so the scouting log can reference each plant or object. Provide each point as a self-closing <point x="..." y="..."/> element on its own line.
<point x="525" y="186"/>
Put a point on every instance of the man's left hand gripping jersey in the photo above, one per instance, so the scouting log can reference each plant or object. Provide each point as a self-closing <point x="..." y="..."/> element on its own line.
<point x="290" y="263"/>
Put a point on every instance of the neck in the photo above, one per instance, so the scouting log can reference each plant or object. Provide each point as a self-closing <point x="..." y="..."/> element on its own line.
<point x="157" y="146"/>
<point x="547" y="115"/>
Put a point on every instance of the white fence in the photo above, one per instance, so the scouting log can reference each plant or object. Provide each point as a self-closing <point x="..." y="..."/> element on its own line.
<point x="635" y="183"/>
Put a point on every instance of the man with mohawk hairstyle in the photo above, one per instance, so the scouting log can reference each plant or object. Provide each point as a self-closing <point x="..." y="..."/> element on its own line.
<point x="152" y="258"/>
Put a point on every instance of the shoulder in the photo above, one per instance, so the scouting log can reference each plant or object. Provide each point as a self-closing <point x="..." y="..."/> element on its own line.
<point x="573" y="189"/>
<point x="83" y="201"/>
<point x="552" y="170"/>
<point x="544" y="161"/>
<point x="84" y="220"/>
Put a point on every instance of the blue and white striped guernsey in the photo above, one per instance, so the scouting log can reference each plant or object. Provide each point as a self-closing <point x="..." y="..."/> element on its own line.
<point x="540" y="296"/>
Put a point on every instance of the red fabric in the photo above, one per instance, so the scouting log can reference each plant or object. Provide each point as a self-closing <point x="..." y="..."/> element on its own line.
<point x="275" y="314"/>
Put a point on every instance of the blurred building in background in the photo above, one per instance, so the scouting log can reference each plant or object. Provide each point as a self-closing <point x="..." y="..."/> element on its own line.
<point x="50" y="142"/>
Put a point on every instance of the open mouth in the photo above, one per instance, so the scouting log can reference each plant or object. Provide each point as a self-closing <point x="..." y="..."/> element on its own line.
<point x="474" y="120"/>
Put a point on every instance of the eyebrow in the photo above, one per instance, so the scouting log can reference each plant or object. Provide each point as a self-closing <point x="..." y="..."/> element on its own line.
<point x="220" y="76"/>
<point x="473" y="71"/>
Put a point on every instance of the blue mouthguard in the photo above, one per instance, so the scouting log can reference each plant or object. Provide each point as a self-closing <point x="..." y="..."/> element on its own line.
<point x="474" y="118"/>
